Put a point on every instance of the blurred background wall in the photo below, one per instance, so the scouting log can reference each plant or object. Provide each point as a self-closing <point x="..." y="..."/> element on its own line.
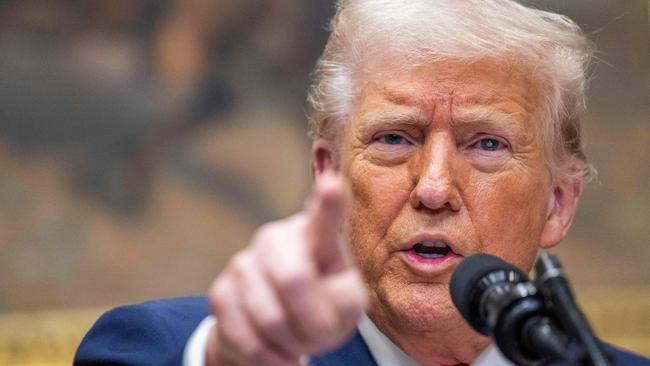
<point x="142" y="141"/>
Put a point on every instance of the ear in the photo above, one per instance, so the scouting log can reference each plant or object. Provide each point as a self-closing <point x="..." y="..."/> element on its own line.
<point x="562" y="207"/>
<point x="322" y="157"/>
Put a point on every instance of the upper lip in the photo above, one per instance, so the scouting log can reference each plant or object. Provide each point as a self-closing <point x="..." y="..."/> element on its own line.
<point x="423" y="237"/>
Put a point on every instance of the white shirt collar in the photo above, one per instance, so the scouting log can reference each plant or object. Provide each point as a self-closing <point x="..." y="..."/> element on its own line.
<point x="386" y="353"/>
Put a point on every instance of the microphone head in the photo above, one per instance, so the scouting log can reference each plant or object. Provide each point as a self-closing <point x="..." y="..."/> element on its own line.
<point x="470" y="280"/>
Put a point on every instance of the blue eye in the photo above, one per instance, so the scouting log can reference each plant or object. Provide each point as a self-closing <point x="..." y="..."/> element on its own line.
<point x="490" y="144"/>
<point x="392" y="139"/>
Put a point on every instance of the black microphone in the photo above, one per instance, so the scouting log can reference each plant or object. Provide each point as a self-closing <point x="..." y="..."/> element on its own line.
<point x="555" y="289"/>
<point x="499" y="301"/>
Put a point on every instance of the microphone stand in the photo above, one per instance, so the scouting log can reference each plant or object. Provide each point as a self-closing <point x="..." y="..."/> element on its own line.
<point x="555" y="289"/>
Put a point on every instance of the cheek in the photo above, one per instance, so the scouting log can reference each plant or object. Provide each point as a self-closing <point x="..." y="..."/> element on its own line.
<point x="509" y="213"/>
<point x="376" y="196"/>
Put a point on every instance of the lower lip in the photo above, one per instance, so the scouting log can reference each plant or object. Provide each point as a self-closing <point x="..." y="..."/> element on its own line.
<point x="430" y="264"/>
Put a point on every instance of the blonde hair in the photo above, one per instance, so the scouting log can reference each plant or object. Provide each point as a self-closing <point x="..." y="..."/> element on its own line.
<point x="419" y="32"/>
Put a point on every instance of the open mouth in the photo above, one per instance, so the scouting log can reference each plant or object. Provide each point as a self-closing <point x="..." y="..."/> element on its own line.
<point x="431" y="249"/>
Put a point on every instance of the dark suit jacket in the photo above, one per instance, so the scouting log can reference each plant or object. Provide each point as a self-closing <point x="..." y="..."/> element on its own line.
<point x="155" y="333"/>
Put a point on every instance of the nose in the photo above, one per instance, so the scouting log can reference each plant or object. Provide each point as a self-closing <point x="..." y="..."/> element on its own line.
<point x="437" y="184"/>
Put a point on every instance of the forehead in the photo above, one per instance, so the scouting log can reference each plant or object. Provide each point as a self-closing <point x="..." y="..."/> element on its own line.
<point x="463" y="89"/>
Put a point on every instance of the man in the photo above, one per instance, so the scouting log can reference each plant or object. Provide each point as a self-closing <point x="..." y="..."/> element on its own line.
<point x="441" y="129"/>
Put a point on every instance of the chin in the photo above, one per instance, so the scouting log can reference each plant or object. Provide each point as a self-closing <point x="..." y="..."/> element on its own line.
<point x="422" y="307"/>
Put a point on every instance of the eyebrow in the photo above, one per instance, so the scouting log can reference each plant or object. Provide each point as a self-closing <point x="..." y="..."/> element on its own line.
<point x="487" y="118"/>
<point x="394" y="117"/>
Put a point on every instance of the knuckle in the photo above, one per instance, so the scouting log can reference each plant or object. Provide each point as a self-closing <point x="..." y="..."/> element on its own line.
<point x="274" y="324"/>
<point x="325" y="325"/>
<point x="214" y="290"/>
<point x="318" y="326"/>
<point x="254" y="351"/>
<point x="350" y="315"/>
<point x="316" y="339"/>
<point x="259" y="234"/>
<point x="217" y="293"/>
<point x="266" y="231"/>
<point x="228" y="338"/>
<point x="244" y="347"/>
<point x="350" y="309"/>
<point x="242" y="268"/>
<point x="239" y="263"/>
<point x="276" y="233"/>
<point x="357" y="299"/>
<point x="292" y="280"/>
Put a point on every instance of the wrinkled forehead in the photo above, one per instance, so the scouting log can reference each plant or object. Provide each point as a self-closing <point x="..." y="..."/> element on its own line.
<point x="497" y="85"/>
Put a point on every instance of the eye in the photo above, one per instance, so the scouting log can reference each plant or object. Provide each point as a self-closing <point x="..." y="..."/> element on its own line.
<point x="490" y="144"/>
<point x="392" y="139"/>
<point x="390" y="147"/>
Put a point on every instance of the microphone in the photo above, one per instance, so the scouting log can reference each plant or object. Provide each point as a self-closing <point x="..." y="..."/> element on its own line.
<point x="555" y="288"/>
<point x="499" y="301"/>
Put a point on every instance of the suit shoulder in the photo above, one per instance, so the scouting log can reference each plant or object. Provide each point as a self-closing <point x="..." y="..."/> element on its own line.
<point x="627" y="358"/>
<point x="151" y="333"/>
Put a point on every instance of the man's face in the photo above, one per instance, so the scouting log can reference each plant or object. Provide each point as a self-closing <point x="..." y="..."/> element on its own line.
<point x="443" y="162"/>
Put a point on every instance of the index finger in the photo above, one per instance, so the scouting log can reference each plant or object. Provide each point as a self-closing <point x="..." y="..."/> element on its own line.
<point x="325" y="213"/>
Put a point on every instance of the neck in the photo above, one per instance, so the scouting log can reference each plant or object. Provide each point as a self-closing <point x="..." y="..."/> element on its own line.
<point x="442" y="345"/>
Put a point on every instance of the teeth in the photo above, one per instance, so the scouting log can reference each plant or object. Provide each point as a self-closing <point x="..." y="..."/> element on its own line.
<point x="430" y="255"/>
